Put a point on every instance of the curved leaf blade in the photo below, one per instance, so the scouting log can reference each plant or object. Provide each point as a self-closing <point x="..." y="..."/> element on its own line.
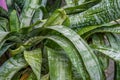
<point x="34" y="59"/>
<point x="60" y="64"/>
<point x="72" y="53"/>
<point x="90" y="60"/>
<point x="3" y="35"/>
<point x="110" y="52"/>
<point x="99" y="40"/>
<point x="4" y="49"/>
<point x="114" y="43"/>
<point x="14" y="22"/>
<point x="12" y="66"/>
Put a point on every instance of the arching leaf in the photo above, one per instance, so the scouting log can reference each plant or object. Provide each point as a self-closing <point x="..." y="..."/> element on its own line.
<point x="98" y="39"/>
<point x="12" y="66"/>
<point x="84" y="50"/>
<point x="104" y="12"/>
<point x="34" y="59"/>
<point x="59" y="65"/>
<point x="72" y="54"/>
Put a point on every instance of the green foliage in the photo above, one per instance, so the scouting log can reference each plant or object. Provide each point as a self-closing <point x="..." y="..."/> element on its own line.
<point x="34" y="59"/>
<point x="59" y="39"/>
<point x="11" y="66"/>
<point x="61" y="65"/>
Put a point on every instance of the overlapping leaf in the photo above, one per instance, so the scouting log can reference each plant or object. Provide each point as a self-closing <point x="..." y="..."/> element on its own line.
<point x="34" y="59"/>
<point x="59" y="65"/>
<point x="86" y="53"/>
<point x="12" y="66"/>
<point x="72" y="54"/>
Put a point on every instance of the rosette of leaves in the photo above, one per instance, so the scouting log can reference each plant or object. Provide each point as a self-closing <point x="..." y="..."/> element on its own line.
<point x="59" y="40"/>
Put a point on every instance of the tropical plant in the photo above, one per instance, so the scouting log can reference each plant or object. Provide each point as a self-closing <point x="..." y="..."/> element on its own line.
<point x="59" y="39"/>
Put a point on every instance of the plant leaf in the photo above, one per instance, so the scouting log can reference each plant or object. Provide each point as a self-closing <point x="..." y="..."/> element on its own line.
<point x="34" y="59"/>
<point x="28" y="12"/>
<point x="4" y="49"/>
<point x="45" y="77"/>
<point x="86" y="29"/>
<point x="101" y="13"/>
<point x="89" y="59"/>
<point x="99" y="40"/>
<point x="110" y="52"/>
<point x="3" y="23"/>
<point x="107" y="28"/>
<point x="72" y="53"/>
<point x="3" y="35"/>
<point x="57" y="18"/>
<point x="14" y="22"/>
<point x="114" y="43"/>
<point x="78" y="8"/>
<point x="12" y="66"/>
<point x="59" y="65"/>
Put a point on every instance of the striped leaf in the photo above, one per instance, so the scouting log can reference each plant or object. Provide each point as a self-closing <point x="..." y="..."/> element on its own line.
<point x="91" y="29"/>
<point x="108" y="28"/>
<point x="98" y="39"/>
<point x="57" y="18"/>
<point x="34" y="59"/>
<point x="14" y="22"/>
<point x="72" y="54"/>
<point x="5" y="48"/>
<point x="59" y="65"/>
<point x="114" y="42"/>
<point x="28" y="12"/>
<point x="69" y="49"/>
<point x="12" y="66"/>
<point x="78" y="8"/>
<point x="3" y="24"/>
<point x="84" y="50"/>
<point x="103" y="12"/>
<point x="109" y="52"/>
<point x="3" y="35"/>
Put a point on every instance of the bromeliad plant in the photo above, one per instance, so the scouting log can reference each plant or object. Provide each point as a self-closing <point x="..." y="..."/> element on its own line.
<point x="59" y="40"/>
